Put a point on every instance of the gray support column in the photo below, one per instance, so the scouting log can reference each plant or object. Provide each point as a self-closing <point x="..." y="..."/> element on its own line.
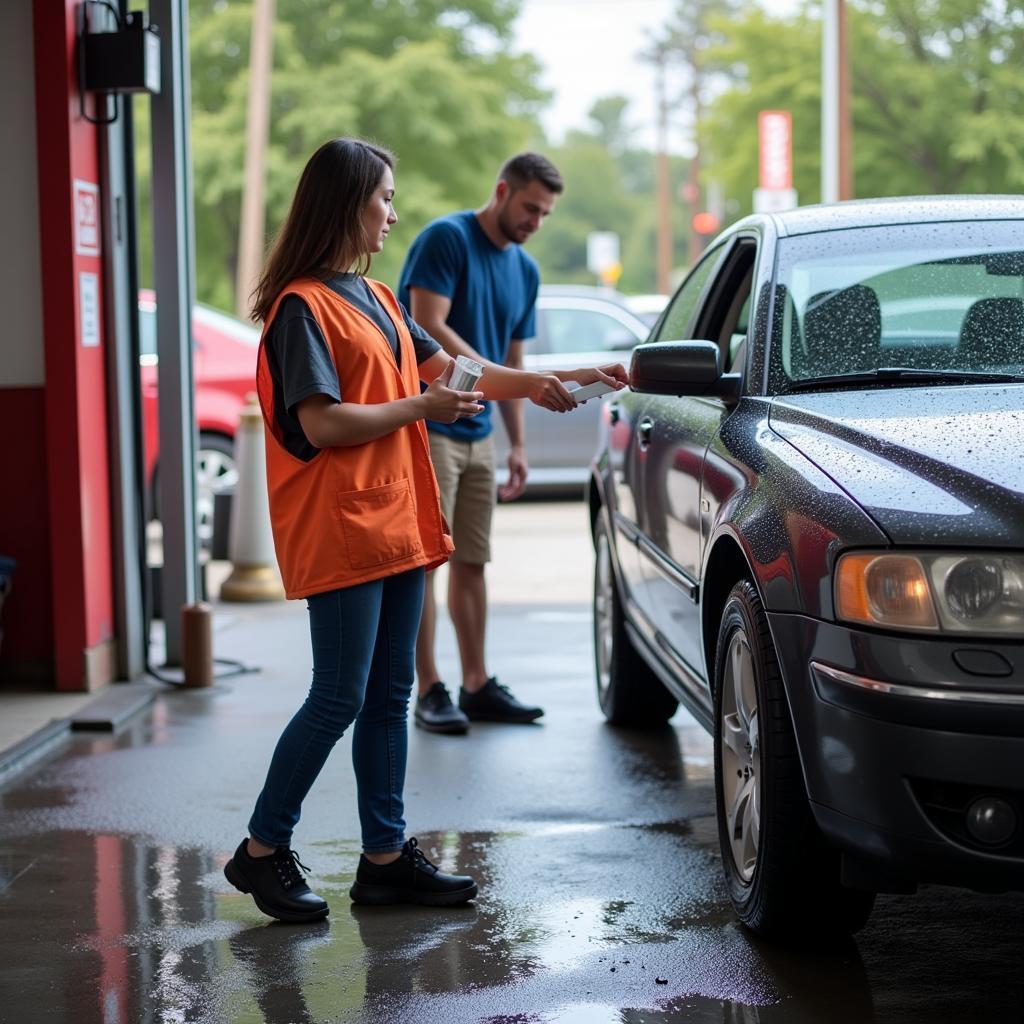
<point x="121" y="318"/>
<point x="173" y="276"/>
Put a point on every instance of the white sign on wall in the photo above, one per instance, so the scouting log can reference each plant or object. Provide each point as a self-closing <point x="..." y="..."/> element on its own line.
<point x="87" y="218"/>
<point x="89" y="308"/>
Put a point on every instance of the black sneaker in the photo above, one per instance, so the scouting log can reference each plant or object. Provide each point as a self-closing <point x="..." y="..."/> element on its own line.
<point x="410" y="879"/>
<point x="495" y="703"/>
<point x="276" y="883"/>
<point x="436" y="712"/>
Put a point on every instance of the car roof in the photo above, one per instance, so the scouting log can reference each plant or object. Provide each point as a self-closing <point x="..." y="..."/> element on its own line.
<point x="583" y="291"/>
<point x="900" y="210"/>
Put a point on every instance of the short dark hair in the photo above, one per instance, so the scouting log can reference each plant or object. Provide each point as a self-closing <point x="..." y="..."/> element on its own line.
<point x="523" y="168"/>
<point x="324" y="227"/>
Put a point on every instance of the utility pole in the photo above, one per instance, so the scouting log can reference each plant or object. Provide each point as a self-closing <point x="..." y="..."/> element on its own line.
<point x="257" y="127"/>
<point x="663" y="193"/>
<point x="695" y="246"/>
<point x="836" y="131"/>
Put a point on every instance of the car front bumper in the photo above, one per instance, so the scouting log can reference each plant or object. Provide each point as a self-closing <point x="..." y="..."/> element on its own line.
<point x="899" y="744"/>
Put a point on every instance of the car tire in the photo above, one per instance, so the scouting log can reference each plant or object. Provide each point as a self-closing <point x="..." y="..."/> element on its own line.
<point x="783" y="878"/>
<point x="629" y="692"/>
<point x="216" y="472"/>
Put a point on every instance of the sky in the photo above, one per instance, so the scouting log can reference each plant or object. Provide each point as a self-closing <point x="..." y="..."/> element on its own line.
<point x="588" y="49"/>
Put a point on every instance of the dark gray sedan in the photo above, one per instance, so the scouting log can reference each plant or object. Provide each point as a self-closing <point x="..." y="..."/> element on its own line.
<point x="808" y="515"/>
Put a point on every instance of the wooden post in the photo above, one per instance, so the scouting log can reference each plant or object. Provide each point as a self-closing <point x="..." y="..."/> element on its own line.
<point x="257" y="126"/>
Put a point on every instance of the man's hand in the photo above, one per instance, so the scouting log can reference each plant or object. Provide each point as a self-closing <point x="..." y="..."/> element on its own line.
<point x="445" y="405"/>
<point x="613" y="374"/>
<point x="517" y="473"/>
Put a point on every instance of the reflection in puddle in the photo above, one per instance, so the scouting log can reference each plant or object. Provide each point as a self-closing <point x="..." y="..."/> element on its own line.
<point x="133" y="931"/>
<point x="153" y="932"/>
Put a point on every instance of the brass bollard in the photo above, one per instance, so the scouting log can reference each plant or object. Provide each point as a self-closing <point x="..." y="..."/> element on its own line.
<point x="197" y="644"/>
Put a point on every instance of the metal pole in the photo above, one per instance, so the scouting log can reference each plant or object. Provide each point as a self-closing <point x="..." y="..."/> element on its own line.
<point x="845" y="141"/>
<point x="836" y="129"/>
<point x="251" y="229"/>
<point x="121" y="306"/>
<point x="173" y="275"/>
<point x="664" y="202"/>
<point x="830" y="91"/>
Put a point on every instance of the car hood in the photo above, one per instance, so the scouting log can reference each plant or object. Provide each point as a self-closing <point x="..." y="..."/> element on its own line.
<point x="935" y="464"/>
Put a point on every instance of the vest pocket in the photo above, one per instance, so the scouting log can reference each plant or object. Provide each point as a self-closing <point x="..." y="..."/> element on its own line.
<point x="379" y="524"/>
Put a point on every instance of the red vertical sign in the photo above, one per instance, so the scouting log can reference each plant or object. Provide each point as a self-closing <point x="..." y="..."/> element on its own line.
<point x="775" y="145"/>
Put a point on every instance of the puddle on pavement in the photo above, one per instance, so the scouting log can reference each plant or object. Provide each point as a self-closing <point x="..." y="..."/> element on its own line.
<point x="122" y="930"/>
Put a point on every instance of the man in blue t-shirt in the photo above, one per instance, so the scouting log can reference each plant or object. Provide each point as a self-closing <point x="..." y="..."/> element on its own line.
<point x="469" y="284"/>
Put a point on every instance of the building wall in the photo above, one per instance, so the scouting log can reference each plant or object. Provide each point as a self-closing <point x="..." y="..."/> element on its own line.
<point x="55" y="505"/>
<point x="24" y="501"/>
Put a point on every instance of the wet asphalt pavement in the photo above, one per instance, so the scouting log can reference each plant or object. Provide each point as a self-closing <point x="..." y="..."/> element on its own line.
<point x="600" y="893"/>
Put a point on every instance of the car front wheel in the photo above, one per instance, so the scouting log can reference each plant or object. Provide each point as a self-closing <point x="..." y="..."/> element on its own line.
<point x="216" y="473"/>
<point x="629" y="692"/>
<point x="783" y="878"/>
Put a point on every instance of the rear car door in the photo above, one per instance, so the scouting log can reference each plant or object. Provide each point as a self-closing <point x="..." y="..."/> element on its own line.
<point x="675" y="433"/>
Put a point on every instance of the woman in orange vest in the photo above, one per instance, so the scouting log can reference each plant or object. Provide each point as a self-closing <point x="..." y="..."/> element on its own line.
<point x="356" y="518"/>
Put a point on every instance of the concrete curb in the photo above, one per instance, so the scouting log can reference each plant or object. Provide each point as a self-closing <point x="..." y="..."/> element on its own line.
<point x="112" y="708"/>
<point x="107" y="713"/>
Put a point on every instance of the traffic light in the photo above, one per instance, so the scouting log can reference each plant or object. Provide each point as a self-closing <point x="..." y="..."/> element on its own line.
<point x="705" y="223"/>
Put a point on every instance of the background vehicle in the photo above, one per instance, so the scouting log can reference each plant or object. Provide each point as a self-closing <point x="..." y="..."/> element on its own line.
<point x="224" y="366"/>
<point x="820" y="551"/>
<point x="647" y="307"/>
<point x="576" y="326"/>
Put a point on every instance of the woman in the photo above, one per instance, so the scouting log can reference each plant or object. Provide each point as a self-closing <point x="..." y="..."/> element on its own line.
<point x="356" y="518"/>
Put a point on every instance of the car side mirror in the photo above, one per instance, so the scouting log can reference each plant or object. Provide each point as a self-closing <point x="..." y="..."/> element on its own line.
<point x="682" y="368"/>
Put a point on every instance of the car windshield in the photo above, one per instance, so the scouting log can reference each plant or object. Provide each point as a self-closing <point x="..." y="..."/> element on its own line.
<point x="936" y="299"/>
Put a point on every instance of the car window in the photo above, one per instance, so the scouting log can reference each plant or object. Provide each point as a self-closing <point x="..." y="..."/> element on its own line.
<point x="678" y="316"/>
<point x="930" y="296"/>
<point x="584" y="330"/>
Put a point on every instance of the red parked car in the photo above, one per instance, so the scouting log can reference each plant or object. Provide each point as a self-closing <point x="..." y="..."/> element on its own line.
<point x="224" y="366"/>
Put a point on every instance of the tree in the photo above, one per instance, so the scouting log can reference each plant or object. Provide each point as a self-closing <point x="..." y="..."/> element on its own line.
<point x="439" y="85"/>
<point x="609" y="187"/>
<point x="936" y="97"/>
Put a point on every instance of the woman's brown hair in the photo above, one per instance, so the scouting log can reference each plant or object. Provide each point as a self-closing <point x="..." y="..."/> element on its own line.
<point x="324" y="230"/>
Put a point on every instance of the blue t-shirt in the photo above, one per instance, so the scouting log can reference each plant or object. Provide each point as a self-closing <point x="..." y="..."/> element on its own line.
<point x="492" y="291"/>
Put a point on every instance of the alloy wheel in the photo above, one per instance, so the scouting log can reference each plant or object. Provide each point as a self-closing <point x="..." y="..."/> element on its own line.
<point x="216" y="473"/>
<point x="741" y="757"/>
<point x="604" y="598"/>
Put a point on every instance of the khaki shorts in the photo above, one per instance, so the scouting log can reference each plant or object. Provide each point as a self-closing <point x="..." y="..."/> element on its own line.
<point x="465" y="477"/>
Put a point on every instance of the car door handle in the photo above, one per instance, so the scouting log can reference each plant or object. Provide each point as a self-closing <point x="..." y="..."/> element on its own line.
<point x="644" y="429"/>
<point x="614" y="412"/>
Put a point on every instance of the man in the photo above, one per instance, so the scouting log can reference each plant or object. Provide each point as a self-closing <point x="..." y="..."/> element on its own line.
<point x="469" y="284"/>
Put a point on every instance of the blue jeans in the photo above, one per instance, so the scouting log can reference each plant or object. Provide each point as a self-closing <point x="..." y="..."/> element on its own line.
<point x="364" y="644"/>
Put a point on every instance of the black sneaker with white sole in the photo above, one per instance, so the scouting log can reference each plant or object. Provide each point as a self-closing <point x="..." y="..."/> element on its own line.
<point x="410" y="879"/>
<point x="276" y="883"/>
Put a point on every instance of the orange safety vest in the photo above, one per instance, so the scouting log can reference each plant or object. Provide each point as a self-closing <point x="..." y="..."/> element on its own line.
<point x="353" y="513"/>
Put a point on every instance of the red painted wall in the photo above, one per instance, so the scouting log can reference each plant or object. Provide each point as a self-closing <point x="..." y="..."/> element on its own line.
<point x="24" y="532"/>
<point x="77" y="483"/>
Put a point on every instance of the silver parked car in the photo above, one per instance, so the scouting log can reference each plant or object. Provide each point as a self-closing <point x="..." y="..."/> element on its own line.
<point x="577" y="325"/>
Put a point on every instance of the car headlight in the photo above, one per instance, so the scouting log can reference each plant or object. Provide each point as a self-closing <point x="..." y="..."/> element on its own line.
<point x="941" y="592"/>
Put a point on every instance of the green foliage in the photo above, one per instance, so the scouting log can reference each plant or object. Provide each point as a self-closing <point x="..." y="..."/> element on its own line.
<point x="433" y="81"/>
<point x="936" y="108"/>
<point x="936" y="97"/>
<point x="609" y="187"/>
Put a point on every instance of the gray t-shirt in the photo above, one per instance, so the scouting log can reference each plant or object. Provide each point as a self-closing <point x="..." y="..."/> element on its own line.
<point x="300" y="361"/>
